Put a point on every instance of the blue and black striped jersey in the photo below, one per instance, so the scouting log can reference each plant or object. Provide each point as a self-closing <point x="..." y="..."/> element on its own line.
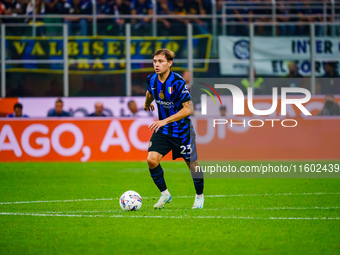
<point x="169" y="97"/>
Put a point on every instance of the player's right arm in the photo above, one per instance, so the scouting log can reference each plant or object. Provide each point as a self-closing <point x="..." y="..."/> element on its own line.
<point x="148" y="100"/>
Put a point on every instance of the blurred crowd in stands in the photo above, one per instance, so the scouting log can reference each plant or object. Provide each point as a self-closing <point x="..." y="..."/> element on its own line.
<point x="109" y="26"/>
<point x="99" y="111"/>
<point x="236" y="11"/>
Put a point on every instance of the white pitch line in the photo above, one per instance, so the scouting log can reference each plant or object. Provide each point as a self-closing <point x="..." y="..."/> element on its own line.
<point x="289" y="208"/>
<point x="208" y="209"/>
<point x="160" y="216"/>
<point x="214" y="196"/>
<point x="278" y="194"/>
<point x="268" y="208"/>
<point x="56" y="201"/>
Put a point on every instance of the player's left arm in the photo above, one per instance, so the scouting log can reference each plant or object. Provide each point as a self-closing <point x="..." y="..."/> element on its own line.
<point x="148" y="100"/>
<point x="181" y="114"/>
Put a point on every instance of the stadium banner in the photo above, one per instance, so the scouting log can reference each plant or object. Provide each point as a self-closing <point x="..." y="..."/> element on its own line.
<point x="119" y="139"/>
<point x="77" y="106"/>
<point x="119" y="106"/>
<point x="100" y="54"/>
<point x="272" y="55"/>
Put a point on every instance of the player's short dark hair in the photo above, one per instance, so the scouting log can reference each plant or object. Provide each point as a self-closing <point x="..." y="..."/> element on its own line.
<point x="169" y="55"/>
<point x="18" y="105"/>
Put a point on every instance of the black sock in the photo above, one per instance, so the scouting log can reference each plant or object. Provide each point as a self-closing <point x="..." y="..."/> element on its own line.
<point x="157" y="175"/>
<point x="198" y="181"/>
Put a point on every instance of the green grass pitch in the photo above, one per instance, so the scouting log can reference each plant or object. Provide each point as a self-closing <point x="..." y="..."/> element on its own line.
<point x="73" y="208"/>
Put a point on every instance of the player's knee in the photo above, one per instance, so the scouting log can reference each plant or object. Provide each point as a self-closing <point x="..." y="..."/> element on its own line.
<point x="152" y="162"/>
<point x="193" y="166"/>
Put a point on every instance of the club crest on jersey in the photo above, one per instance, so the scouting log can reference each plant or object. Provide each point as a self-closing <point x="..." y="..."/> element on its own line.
<point x="161" y="95"/>
<point x="170" y="90"/>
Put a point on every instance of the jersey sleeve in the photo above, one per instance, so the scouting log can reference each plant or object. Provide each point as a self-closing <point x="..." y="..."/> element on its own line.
<point x="184" y="93"/>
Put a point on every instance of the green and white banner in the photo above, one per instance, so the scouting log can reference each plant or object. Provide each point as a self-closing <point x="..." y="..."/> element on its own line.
<point x="272" y="55"/>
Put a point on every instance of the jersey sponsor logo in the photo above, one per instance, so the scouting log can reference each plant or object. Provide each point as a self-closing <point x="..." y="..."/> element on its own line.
<point x="167" y="105"/>
<point x="164" y="102"/>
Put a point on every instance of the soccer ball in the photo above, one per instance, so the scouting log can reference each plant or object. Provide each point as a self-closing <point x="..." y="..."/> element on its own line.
<point x="130" y="201"/>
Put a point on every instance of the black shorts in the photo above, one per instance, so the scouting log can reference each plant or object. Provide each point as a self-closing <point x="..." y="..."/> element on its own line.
<point x="181" y="147"/>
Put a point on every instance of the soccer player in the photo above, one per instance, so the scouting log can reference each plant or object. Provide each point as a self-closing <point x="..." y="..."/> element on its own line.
<point x="173" y="131"/>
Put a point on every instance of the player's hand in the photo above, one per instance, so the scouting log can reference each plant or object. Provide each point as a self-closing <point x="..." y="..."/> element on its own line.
<point x="149" y="108"/>
<point x="157" y="124"/>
